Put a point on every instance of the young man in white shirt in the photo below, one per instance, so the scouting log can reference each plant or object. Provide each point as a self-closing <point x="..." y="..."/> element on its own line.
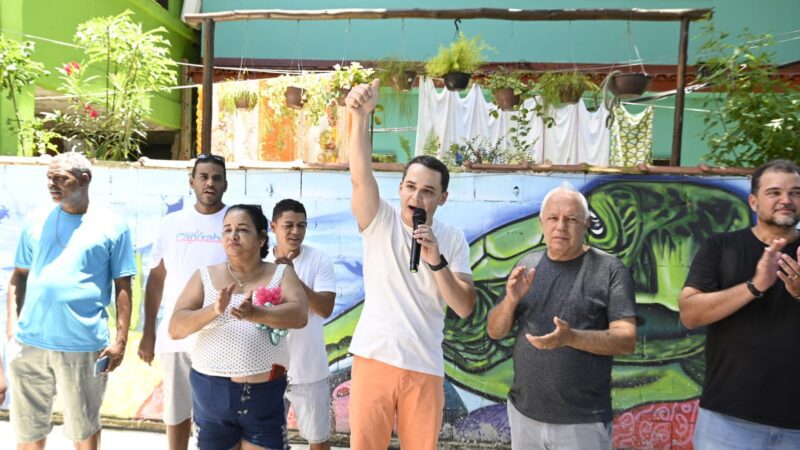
<point x="187" y="239"/>
<point x="308" y="389"/>
<point x="398" y="365"/>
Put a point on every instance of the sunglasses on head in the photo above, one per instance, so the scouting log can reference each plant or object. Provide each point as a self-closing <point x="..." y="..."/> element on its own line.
<point x="210" y="158"/>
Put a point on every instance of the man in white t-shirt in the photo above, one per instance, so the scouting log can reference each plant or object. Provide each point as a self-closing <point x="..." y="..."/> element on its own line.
<point x="398" y="366"/>
<point x="187" y="239"/>
<point x="308" y="389"/>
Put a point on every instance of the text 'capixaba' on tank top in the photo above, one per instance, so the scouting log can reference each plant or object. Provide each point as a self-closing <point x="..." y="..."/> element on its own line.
<point x="230" y="347"/>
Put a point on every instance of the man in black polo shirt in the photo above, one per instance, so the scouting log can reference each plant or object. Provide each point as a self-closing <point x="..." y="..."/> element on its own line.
<point x="745" y="286"/>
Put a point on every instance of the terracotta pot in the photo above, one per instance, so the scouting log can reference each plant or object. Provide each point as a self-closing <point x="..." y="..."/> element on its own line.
<point x="342" y="94"/>
<point x="628" y="85"/>
<point x="505" y="99"/>
<point x="294" y="97"/>
<point x="457" y="81"/>
<point x="402" y="82"/>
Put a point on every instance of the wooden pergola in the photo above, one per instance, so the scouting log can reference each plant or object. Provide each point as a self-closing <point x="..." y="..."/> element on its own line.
<point x="684" y="16"/>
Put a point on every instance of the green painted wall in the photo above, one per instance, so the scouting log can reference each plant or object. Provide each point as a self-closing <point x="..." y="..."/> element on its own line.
<point x="604" y="42"/>
<point x="57" y="20"/>
<point x="600" y="41"/>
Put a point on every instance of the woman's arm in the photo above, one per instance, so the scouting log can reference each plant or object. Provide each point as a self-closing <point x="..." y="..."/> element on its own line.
<point x="190" y="316"/>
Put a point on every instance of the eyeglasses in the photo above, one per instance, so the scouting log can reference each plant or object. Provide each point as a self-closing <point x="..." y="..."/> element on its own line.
<point x="208" y="157"/>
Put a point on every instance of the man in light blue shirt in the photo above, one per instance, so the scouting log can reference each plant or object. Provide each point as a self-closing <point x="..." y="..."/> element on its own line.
<point x="67" y="259"/>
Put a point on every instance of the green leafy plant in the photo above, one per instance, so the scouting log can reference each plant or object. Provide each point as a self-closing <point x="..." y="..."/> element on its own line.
<point x="432" y="144"/>
<point x="405" y="145"/>
<point x="396" y="73"/>
<point x="557" y="88"/>
<point x="238" y="96"/>
<point x="754" y="115"/>
<point x="346" y="77"/>
<point x="17" y="73"/>
<point x="502" y="78"/>
<point x="477" y="150"/>
<point x="463" y="55"/>
<point x="107" y="111"/>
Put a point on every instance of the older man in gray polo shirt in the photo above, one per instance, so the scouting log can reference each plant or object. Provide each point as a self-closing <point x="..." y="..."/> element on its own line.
<point x="574" y="307"/>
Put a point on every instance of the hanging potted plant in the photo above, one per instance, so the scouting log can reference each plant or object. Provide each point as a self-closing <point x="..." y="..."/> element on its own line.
<point x="457" y="62"/>
<point x="238" y="95"/>
<point x="627" y="84"/>
<point x="397" y="73"/>
<point x="507" y="88"/>
<point x="344" y="78"/>
<point x="557" y="88"/>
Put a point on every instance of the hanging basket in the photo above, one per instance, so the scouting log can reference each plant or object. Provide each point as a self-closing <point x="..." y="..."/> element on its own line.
<point x="570" y="93"/>
<point x="457" y="81"/>
<point x="342" y="94"/>
<point x="294" y="97"/>
<point x="505" y="99"/>
<point x="402" y="81"/>
<point x="628" y="85"/>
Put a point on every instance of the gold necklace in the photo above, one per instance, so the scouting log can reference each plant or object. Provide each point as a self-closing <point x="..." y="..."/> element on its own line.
<point x="241" y="283"/>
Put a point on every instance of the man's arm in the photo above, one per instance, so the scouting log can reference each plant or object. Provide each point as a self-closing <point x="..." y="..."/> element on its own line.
<point x="320" y="302"/>
<point x="618" y="339"/>
<point x="699" y="308"/>
<point x="360" y="103"/>
<point x="457" y="289"/>
<point x="153" y="291"/>
<point x="501" y="317"/>
<point x="116" y="351"/>
<point x="15" y="299"/>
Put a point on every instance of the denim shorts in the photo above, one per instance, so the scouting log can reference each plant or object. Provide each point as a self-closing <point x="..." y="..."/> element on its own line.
<point x="716" y="431"/>
<point x="226" y="413"/>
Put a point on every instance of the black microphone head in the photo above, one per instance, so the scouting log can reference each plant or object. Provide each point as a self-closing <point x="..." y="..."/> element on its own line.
<point x="419" y="217"/>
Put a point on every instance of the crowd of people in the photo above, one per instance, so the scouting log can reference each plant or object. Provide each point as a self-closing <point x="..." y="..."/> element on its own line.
<point x="242" y="334"/>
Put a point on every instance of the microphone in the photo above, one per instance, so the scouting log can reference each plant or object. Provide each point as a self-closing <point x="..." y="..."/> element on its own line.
<point x="418" y="218"/>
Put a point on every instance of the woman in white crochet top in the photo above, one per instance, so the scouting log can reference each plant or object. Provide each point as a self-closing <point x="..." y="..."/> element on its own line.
<point x="240" y="358"/>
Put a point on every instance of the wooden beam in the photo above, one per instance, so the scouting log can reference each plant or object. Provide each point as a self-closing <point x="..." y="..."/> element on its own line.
<point x="185" y="143"/>
<point x="635" y="14"/>
<point x="208" y="84"/>
<point x="677" y="128"/>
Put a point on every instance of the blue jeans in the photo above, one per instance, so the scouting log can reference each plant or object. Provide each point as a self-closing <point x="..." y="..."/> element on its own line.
<point x="715" y="431"/>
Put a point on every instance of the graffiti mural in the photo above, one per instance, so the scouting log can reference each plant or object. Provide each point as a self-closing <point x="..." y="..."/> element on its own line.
<point x="654" y="224"/>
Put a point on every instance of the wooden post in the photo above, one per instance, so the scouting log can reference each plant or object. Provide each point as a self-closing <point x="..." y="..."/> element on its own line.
<point x="208" y="83"/>
<point x="677" y="129"/>
<point x="184" y="150"/>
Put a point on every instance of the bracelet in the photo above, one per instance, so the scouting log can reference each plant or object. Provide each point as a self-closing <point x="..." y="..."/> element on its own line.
<point x="754" y="290"/>
<point x="442" y="264"/>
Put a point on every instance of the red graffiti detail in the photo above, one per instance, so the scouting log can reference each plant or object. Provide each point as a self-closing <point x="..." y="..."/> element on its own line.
<point x="656" y="426"/>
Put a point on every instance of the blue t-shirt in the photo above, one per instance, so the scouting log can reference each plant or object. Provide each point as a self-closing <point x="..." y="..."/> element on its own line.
<point x="73" y="260"/>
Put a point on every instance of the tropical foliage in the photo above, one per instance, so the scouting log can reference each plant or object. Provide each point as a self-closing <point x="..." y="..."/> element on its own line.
<point x="754" y="115"/>
<point x="107" y="110"/>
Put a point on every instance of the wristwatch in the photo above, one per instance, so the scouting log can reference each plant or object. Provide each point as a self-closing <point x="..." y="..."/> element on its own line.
<point x="753" y="290"/>
<point x="442" y="264"/>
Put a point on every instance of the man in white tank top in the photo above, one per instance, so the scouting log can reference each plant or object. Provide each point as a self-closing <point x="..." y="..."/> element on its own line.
<point x="398" y="366"/>
<point x="187" y="239"/>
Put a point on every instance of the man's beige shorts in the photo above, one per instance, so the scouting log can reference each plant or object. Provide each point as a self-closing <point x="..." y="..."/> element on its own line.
<point x="177" y="390"/>
<point x="38" y="375"/>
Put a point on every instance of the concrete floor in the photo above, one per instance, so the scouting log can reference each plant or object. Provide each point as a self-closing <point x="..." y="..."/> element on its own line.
<point x="112" y="439"/>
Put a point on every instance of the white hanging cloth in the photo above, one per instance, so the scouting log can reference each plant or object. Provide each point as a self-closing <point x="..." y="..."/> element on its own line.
<point x="444" y="118"/>
<point x="593" y="135"/>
